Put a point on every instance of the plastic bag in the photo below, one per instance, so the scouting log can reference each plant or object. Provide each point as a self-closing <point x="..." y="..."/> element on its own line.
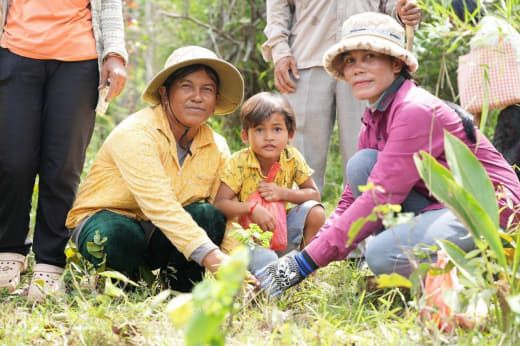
<point x="277" y="209"/>
<point x="436" y="308"/>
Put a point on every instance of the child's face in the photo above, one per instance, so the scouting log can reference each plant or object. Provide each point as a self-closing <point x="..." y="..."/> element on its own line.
<point x="269" y="138"/>
<point x="369" y="73"/>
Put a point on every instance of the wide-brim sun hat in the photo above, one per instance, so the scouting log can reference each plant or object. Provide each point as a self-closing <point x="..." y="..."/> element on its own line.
<point x="369" y="31"/>
<point x="231" y="83"/>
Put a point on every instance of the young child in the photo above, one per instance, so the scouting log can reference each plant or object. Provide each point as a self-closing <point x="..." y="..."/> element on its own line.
<point x="267" y="126"/>
<point x="401" y="119"/>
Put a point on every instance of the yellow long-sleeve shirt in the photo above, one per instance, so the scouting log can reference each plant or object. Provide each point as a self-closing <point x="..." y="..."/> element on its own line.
<point x="136" y="173"/>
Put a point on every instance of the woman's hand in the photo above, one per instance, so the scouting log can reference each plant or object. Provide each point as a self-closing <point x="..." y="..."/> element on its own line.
<point x="263" y="218"/>
<point x="213" y="260"/>
<point x="113" y="75"/>
<point x="272" y="192"/>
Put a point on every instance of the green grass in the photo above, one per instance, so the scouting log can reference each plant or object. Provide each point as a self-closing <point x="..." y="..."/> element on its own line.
<point x="332" y="308"/>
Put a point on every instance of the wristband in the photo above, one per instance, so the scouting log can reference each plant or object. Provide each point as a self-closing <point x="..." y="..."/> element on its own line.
<point x="116" y="56"/>
<point x="252" y="208"/>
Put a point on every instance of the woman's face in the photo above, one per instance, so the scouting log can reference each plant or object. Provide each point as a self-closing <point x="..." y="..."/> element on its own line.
<point x="192" y="98"/>
<point x="369" y="73"/>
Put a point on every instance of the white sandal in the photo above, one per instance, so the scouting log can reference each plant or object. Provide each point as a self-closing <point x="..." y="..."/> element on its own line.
<point x="46" y="280"/>
<point x="11" y="265"/>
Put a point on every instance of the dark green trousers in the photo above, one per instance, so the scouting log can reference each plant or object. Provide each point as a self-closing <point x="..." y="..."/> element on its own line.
<point x="130" y="244"/>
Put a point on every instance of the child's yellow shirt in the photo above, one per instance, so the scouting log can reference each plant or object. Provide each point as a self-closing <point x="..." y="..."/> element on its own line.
<point x="243" y="172"/>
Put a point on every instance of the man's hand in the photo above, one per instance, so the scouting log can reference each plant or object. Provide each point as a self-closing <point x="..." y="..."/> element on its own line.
<point x="113" y="74"/>
<point x="282" y="78"/>
<point x="409" y="13"/>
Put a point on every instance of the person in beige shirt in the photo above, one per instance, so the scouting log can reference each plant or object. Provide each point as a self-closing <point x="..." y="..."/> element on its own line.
<point x="150" y="188"/>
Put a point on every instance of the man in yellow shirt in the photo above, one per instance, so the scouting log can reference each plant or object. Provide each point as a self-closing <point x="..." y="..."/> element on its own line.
<point x="151" y="183"/>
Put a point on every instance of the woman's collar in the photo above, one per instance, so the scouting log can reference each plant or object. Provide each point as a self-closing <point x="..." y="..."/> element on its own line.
<point x="388" y="95"/>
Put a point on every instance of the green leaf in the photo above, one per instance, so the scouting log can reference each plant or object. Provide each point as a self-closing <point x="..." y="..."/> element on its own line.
<point x="356" y="226"/>
<point x="457" y="256"/>
<point x="201" y="328"/>
<point x="233" y="268"/>
<point x="180" y="309"/>
<point x="113" y="291"/>
<point x="95" y="250"/>
<point x="118" y="276"/>
<point x="393" y="280"/>
<point x="469" y="173"/>
<point x="443" y="186"/>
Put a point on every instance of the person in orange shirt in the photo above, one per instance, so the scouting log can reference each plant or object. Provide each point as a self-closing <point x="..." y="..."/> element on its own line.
<point x="54" y="55"/>
<point x="152" y="184"/>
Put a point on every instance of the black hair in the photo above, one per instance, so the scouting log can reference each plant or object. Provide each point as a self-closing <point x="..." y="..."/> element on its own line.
<point x="184" y="71"/>
<point x="460" y="7"/>
<point x="261" y="106"/>
<point x="406" y="73"/>
<point x="467" y="121"/>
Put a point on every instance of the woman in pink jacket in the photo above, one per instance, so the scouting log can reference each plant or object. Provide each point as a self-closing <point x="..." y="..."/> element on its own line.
<point x="401" y="120"/>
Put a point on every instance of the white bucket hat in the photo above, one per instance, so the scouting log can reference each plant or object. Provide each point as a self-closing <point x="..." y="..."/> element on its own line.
<point x="371" y="31"/>
<point x="231" y="88"/>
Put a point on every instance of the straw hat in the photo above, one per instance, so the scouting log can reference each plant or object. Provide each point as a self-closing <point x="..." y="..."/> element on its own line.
<point x="371" y="31"/>
<point x="231" y="88"/>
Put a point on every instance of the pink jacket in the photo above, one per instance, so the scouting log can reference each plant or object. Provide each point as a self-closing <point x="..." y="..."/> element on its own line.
<point x="414" y="121"/>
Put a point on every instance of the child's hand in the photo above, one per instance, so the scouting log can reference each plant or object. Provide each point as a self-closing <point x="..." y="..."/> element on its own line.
<point x="263" y="218"/>
<point x="271" y="192"/>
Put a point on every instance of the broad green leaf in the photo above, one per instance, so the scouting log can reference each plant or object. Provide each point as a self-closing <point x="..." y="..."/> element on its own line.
<point x="201" y="328"/>
<point x="516" y="257"/>
<point x="180" y="309"/>
<point x="471" y="175"/>
<point x="117" y="276"/>
<point x="443" y="186"/>
<point x="393" y="280"/>
<point x="233" y="268"/>
<point x="457" y="256"/>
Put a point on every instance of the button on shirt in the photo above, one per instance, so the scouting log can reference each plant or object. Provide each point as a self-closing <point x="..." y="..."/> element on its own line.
<point x="136" y="173"/>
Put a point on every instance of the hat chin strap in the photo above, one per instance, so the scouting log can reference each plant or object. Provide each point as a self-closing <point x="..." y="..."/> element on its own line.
<point x="186" y="129"/>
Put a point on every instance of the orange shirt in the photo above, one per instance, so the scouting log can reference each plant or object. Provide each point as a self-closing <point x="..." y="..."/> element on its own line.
<point x="50" y="29"/>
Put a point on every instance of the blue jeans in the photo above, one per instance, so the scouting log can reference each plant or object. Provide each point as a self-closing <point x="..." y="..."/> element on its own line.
<point x="394" y="250"/>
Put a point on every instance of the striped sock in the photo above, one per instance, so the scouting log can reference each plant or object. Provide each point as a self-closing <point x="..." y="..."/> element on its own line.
<point x="305" y="263"/>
